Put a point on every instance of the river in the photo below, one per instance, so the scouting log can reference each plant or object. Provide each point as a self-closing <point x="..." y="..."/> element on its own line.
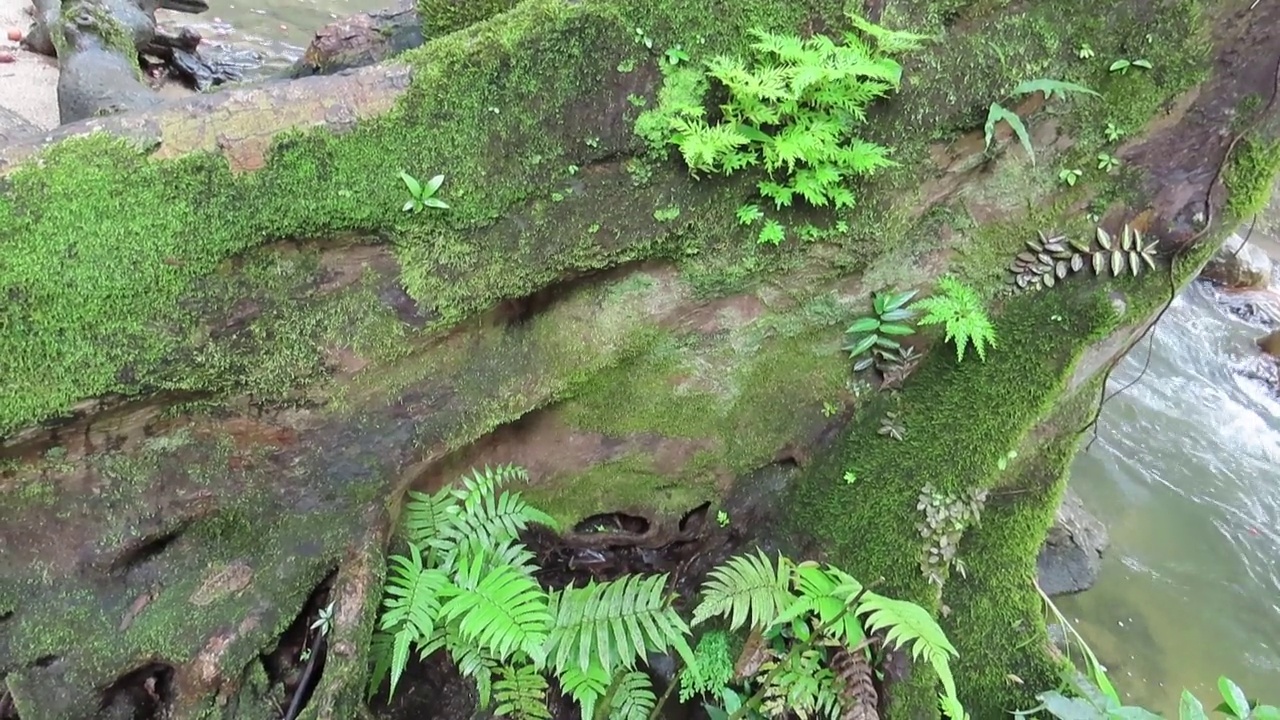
<point x="1184" y="474"/>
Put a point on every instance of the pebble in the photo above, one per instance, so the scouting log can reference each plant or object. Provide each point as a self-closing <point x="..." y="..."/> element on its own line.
<point x="15" y="35"/>
<point x="6" y="57"/>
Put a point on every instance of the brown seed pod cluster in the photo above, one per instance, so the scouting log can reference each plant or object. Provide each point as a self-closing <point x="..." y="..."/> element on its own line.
<point x="1048" y="260"/>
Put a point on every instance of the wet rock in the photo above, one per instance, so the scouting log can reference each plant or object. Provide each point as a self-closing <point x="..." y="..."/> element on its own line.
<point x="1239" y="267"/>
<point x="1270" y="344"/>
<point x="96" y="79"/>
<point x="1072" y="552"/>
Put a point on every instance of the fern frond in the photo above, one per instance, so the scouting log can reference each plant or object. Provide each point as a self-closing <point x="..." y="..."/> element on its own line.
<point x="786" y="48"/>
<point x="712" y="668"/>
<point x="907" y="626"/>
<point x="425" y="515"/>
<point x="472" y="489"/>
<point x="960" y="308"/>
<point x="633" y="699"/>
<point x="826" y="594"/>
<point x="521" y="693"/>
<point x="501" y="608"/>
<point x="410" y="606"/>
<point x="381" y="649"/>
<point x="889" y="41"/>
<point x="586" y="687"/>
<point x="803" y="685"/>
<point x="746" y="587"/>
<point x="615" y="623"/>
<point x="493" y="520"/>
<point x="471" y="660"/>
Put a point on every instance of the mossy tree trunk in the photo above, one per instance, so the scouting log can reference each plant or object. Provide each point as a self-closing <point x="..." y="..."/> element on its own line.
<point x="226" y="350"/>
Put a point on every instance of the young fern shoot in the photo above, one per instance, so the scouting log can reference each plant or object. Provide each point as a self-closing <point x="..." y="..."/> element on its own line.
<point x="960" y="310"/>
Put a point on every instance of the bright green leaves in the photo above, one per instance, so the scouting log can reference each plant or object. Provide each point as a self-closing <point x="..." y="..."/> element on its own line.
<point x="421" y="195"/>
<point x="793" y="107"/>
<point x="998" y="112"/>
<point x="747" y="587"/>
<point x="873" y="336"/>
<point x="411" y="606"/>
<point x="500" y="609"/>
<point x="960" y="310"/>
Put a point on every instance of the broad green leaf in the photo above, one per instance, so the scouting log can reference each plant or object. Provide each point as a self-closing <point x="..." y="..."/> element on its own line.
<point x="1065" y="708"/>
<point x="898" y="314"/>
<point x="1266" y="712"/>
<point x="998" y="112"/>
<point x="902" y="298"/>
<point x="415" y="188"/>
<point x="435" y="203"/>
<point x="1234" y="697"/>
<point x="433" y="185"/>
<point x="896" y="329"/>
<point x="862" y="325"/>
<point x="754" y="134"/>
<point x="1190" y="707"/>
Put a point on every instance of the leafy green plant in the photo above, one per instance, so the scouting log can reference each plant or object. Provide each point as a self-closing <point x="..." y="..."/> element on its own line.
<point x="1070" y="176"/>
<point x="771" y="233"/>
<point x="1047" y="260"/>
<point x="807" y="622"/>
<point x="1003" y="463"/>
<point x="1084" y="52"/>
<point x="959" y="309"/>
<point x="1107" y="162"/>
<point x="467" y="587"/>
<point x="722" y="518"/>
<point x="676" y="55"/>
<point x="875" y="334"/>
<point x="946" y="517"/>
<point x="1113" y="132"/>
<point x="1122" y="65"/>
<point x="793" y="107"/>
<point x="998" y="112"/>
<point x="891" y="426"/>
<point x="712" y="669"/>
<point x="748" y="214"/>
<point x="423" y="196"/>
<point x="850" y="477"/>
<point x="829" y="409"/>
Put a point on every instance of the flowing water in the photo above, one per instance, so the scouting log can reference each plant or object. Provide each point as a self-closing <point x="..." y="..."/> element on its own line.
<point x="1185" y="473"/>
<point x="277" y="30"/>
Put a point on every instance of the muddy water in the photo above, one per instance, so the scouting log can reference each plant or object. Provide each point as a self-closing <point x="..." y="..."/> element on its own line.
<point x="278" y="30"/>
<point x="1186" y="475"/>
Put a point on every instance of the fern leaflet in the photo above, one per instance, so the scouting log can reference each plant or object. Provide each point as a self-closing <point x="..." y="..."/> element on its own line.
<point x="960" y="308"/>
<point x="503" y="610"/>
<point x="746" y="588"/>
<point x="586" y="687"/>
<point x="521" y="693"/>
<point x="633" y="699"/>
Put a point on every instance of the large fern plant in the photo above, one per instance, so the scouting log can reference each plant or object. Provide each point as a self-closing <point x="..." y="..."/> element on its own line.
<point x="793" y="106"/>
<point x="467" y="587"/>
<point x="809" y="628"/>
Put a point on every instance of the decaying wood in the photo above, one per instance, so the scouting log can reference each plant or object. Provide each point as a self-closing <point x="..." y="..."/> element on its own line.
<point x="239" y="123"/>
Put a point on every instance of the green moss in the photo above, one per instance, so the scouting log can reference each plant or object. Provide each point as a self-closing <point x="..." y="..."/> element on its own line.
<point x="441" y="17"/>
<point x="1250" y="176"/>
<point x="631" y="482"/>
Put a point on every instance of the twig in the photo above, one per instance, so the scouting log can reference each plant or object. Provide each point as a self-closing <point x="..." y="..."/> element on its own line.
<point x="295" y="706"/>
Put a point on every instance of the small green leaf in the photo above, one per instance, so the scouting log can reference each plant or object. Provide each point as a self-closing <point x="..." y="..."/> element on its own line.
<point x="896" y="329"/>
<point x="1266" y="712"/>
<point x="898" y="315"/>
<point x="1143" y="64"/>
<point x="1118" y="65"/>
<point x="997" y="113"/>
<point x="1234" y="697"/>
<point x="408" y="205"/>
<point x="415" y="188"/>
<point x="900" y="299"/>
<point x="862" y="345"/>
<point x="862" y="325"/>
<point x="1190" y="707"/>
<point x="435" y="203"/>
<point x="433" y="185"/>
<point x="887" y="343"/>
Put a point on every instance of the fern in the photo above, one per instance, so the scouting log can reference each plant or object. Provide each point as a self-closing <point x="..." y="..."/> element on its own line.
<point x="961" y="310"/>
<point x="793" y="107"/>
<point x="614" y="624"/>
<point x="501" y="609"/>
<point x="711" y="669"/>
<point x="586" y="687"/>
<point x="746" y="588"/>
<point x="521" y="693"/>
<point x="998" y="112"/>
<point x="411" y="607"/>
<point x="802" y="684"/>
<point x="633" y="699"/>
<point x="910" y="626"/>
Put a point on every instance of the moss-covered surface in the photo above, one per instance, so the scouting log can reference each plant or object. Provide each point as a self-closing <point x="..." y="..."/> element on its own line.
<point x="1251" y="176"/>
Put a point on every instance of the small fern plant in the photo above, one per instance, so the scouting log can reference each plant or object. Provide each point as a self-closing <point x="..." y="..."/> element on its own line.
<point x="998" y="112"/>
<point x="809" y="648"/>
<point x="793" y="107"/>
<point x="467" y="587"/>
<point x="960" y="310"/>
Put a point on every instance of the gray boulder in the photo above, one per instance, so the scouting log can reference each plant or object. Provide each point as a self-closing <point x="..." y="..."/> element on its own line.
<point x="1072" y="551"/>
<point x="1239" y="268"/>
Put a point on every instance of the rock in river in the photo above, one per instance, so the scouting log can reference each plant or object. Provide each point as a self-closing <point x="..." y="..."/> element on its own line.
<point x="1072" y="551"/>
<point x="1239" y="268"/>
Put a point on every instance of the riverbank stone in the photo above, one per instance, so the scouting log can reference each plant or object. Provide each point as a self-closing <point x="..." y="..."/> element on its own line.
<point x="1072" y="552"/>
<point x="1239" y="267"/>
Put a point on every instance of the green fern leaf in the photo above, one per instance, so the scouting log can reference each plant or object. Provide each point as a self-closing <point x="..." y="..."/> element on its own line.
<point x="410" y="606"/>
<point x="425" y="515"/>
<point x="787" y="48"/>
<point x="586" y="687"/>
<point x="889" y="41"/>
<point x="521" y="694"/>
<point x="615" y="623"/>
<point x="907" y="626"/>
<point x="961" y="310"/>
<point x="746" y="588"/>
<point x="471" y="660"/>
<point x="712" y="669"/>
<point x="502" y="609"/>
<point x="826" y="594"/>
<point x="998" y="112"/>
<point x="633" y="699"/>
